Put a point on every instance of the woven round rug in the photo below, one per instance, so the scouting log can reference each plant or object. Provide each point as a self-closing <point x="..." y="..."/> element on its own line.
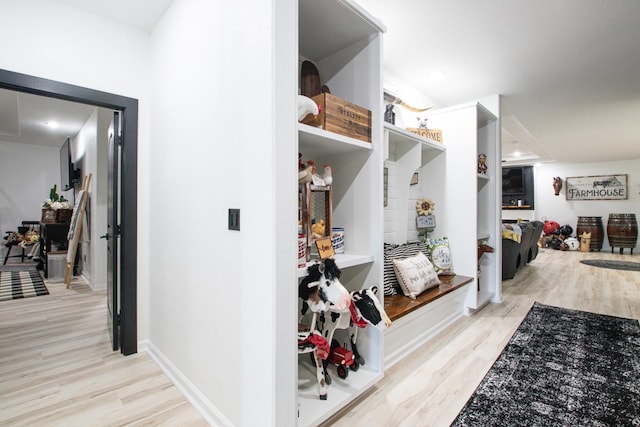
<point x="616" y="265"/>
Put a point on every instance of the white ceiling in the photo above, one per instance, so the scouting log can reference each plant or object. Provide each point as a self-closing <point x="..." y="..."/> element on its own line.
<point x="24" y="118"/>
<point x="568" y="71"/>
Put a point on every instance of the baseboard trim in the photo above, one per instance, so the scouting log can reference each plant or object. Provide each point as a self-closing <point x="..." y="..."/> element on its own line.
<point x="208" y="411"/>
<point x="96" y="288"/>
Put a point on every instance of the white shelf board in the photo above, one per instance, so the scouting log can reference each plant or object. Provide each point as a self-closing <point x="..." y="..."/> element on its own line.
<point x="399" y="137"/>
<point x="340" y="392"/>
<point x="313" y="141"/>
<point x="483" y="180"/>
<point x="484" y="236"/>
<point x="342" y="260"/>
<point x="397" y="134"/>
<point x="329" y="26"/>
<point x="484" y="116"/>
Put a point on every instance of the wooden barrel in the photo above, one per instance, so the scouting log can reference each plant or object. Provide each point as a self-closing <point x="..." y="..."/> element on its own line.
<point x="622" y="230"/>
<point x="593" y="225"/>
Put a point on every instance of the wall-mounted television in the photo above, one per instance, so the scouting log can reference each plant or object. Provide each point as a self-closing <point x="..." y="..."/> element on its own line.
<point x="513" y="181"/>
<point x="68" y="175"/>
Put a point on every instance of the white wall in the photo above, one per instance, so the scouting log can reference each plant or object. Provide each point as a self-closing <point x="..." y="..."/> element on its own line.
<point x="27" y="173"/>
<point x="557" y="208"/>
<point x="217" y="307"/>
<point x="89" y="150"/>
<point x="215" y="292"/>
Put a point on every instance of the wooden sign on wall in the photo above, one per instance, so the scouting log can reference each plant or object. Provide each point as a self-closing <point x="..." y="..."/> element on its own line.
<point x="597" y="187"/>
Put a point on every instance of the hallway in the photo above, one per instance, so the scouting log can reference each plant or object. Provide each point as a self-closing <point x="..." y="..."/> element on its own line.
<point x="57" y="368"/>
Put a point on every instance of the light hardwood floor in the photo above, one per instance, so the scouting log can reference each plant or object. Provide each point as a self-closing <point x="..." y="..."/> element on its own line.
<point x="431" y="385"/>
<point x="57" y="369"/>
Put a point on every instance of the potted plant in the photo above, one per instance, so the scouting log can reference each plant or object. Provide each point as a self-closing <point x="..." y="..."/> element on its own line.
<point x="55" y="208"/>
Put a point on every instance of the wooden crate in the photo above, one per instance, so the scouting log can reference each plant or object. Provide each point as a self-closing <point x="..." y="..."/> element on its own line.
<point x="343" y="117"/>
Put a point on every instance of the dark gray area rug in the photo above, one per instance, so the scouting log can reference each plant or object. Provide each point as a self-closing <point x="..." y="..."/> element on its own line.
<point x="616" y="265"/>
<point x="562" y="368"/>
<point x="21" y="284"/>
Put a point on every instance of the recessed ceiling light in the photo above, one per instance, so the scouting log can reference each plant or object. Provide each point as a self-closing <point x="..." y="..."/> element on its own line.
<point x="436" y="75"/>
<point x="516" y="154"/>
<point x="51" y="124"/>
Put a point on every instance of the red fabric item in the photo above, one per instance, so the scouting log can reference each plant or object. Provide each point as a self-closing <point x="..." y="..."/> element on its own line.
<point x="550" y="227"/>
<point x="320" y="342"/>
<point x="357" y="320"/>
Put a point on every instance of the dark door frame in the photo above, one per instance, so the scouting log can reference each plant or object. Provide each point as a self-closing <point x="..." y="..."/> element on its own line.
<point x="129" y="184"/>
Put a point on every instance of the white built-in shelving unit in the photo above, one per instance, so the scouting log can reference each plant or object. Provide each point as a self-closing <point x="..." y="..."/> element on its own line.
<point x="467" y="211"/>
<point x="408" y="153"/>
<point x="471" y="200"/>
<point x="345" y="44"/>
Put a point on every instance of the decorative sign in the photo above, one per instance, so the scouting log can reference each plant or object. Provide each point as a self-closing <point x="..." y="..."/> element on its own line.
<point x="325" y="248"/>
<point x="432" y="134"/>
<point x="414" y="178"/>
<point x="426" y="221"/>
<point x="597" y="187"/>
<point x="386" y="187"/>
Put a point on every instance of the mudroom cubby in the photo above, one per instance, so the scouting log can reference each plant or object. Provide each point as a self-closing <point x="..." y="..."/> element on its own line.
<point x="466" y="211"/>
<point x="344" y="42"/>
<point x="415" y="321"/>
<point x="471" y="208"/>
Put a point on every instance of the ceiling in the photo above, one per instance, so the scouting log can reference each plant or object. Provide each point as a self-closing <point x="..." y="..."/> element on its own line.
<point x="568" y="71"/>
<point x="27" y="118"/>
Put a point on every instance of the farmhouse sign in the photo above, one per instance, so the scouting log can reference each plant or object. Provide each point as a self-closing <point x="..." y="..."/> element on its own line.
<point x="599" y="187"/>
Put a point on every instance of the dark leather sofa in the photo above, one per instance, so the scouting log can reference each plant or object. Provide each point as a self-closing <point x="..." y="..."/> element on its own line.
<point x="516" y="255"/>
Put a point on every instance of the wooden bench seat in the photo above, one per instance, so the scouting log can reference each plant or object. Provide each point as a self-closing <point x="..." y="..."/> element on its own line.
<point x="397" y="306"/>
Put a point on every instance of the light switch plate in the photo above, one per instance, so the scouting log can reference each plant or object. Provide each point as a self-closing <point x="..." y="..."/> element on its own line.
<point x="234" y="219"/>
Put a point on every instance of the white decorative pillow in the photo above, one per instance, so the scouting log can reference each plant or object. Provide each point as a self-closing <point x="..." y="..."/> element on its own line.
<point x="415" y="274"/>
<point x="391" y="252"/>
<point x="440" y="256"/>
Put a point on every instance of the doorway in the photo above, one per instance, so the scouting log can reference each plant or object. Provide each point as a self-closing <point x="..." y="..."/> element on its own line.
<point x="127" y="255"/>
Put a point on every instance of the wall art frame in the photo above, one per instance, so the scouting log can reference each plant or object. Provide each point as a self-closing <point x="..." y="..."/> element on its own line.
<point x="597" y="187"/>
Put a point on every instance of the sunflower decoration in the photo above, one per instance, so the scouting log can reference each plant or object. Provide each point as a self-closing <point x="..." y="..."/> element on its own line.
<point x="425" y="207"/>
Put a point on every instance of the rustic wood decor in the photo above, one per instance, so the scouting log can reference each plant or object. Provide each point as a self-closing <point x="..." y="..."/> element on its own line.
<point x="75" y="228"/>
<point x="431" y="134"/>
<point x="343" y="117"/>
<point x="325" y="248"/>
<point x="597" y="187"/>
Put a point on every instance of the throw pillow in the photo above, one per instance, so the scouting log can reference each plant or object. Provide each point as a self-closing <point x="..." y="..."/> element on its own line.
<point x="390" y="281"/>
<point x="415" y="274"/>
<point x="440" y="256"/>
<point x="394" y="251"/>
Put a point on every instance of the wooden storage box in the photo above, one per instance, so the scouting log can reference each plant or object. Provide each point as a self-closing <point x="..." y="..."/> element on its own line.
<point x="343" y="117"/>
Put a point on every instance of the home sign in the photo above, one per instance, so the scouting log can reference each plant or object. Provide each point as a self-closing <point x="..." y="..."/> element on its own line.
<point x="597" y="187"/>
